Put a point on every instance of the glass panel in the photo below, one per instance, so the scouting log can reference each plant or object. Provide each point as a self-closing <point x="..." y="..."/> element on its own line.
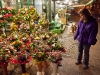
<point x="25" y="4"/>
<point x="13" y="3"/>
<point x="25" y="1"/>
<point x="38" y="6"/>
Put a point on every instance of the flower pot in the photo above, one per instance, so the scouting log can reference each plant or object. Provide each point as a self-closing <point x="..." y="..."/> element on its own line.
<point x="4" y="68"/>
<point x="54" y="67"/>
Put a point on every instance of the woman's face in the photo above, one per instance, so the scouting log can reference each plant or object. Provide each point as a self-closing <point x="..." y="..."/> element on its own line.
<point x="82" y="17"/>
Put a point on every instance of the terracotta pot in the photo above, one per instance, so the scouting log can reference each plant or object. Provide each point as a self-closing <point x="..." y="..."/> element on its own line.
<point x="4" y="68"/>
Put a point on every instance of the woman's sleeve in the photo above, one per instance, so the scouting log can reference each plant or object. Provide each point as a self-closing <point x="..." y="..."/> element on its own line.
<point x="93" y="34"/>
<point x="76" y="33"/>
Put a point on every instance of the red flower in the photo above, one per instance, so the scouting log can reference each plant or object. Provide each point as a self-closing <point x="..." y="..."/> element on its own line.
<point x="36" y="51"/>
<point x="8" y="15"/>
<point x="1" y="21"/>
<point x="4" y="9"/>
<point x="22" y="46"/>
<point x="63" y="50"/>
<point x="28" y="43"/>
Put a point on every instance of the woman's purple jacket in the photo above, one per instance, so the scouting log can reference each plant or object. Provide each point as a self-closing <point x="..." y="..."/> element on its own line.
<point x="87" y="32"/>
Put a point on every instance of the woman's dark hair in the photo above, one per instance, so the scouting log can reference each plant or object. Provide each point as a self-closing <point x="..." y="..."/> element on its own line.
<point x="85" y="12"/>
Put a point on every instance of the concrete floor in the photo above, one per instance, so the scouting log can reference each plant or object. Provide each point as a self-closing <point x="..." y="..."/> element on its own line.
<point x="69" y="58"/>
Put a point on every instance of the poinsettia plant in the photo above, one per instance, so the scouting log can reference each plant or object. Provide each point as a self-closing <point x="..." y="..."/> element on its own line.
<point x="7" y="14"/>
<point x="8" y="17"/>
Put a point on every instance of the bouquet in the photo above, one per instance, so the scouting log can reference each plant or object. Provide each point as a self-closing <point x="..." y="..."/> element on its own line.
<point x="6" y="51"/>
<point x="24" y="27"/>
<point x="58" y="46"/>
<point x="17" y="44"/>
<point x="21" y="57"/>
<point x="13" y="27"/>
<point x="55" y="56"/>
<point x="39" y="57"/>
<point x="4" y="54"/>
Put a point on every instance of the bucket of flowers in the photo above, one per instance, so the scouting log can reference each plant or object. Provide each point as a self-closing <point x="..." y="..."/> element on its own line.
<point x="55" y="58"/>
<point x="21" y="44"/>
<point x="39" y="55"/>
<point x="21" y="54"/>
<point x="39" y="59"/>
<point x="6" y="51"/>
<point x="55" y="54"/>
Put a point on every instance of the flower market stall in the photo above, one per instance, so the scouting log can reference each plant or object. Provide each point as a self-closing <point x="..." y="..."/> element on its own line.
<point x="29" y="40"/>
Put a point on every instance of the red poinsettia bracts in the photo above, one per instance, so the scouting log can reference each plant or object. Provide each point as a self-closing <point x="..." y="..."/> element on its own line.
<point x="8" y="15"/>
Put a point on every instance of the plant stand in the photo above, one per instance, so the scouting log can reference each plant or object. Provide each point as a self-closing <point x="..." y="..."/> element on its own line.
<point x="54" y="67"/>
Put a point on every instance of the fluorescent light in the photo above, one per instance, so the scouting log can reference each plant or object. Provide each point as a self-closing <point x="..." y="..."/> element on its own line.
<point x="66" y="1"/>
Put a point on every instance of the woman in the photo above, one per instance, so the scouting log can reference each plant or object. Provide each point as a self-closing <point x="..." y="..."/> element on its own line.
<point x="86" y="33"/>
